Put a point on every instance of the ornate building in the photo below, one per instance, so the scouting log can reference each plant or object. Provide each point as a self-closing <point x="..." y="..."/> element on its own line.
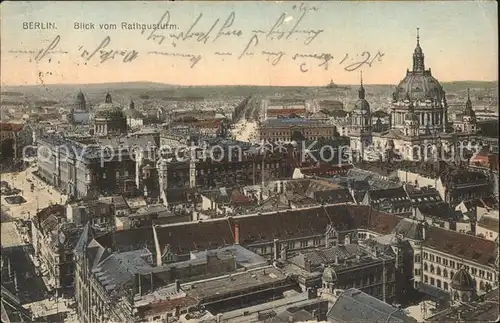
<point x="418" y="118"/>
<point x="108" y="119"/>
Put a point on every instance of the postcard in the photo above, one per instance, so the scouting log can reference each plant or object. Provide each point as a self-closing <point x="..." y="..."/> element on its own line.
<point x="249" y="161"/>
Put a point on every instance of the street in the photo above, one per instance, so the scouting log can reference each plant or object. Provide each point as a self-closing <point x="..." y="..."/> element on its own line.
<point x="41" y="197"/>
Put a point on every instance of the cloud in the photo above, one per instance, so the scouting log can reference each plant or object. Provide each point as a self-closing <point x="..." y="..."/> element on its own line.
<point x="288" y="19"/>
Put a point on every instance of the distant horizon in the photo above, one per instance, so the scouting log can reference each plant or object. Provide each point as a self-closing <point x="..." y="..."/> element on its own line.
<point x="229" y="85"/>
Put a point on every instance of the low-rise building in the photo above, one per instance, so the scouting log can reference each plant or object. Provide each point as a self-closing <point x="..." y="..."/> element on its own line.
<point x="288" y="130"/>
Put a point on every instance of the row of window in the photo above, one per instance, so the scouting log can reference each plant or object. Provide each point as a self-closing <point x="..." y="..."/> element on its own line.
<point x="444" y="285"/>
<point x="291" y="245"/>
<point x="452" y="264"/>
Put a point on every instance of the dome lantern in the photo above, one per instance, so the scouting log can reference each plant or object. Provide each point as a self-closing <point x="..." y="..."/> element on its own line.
<point x="418" y="56"/>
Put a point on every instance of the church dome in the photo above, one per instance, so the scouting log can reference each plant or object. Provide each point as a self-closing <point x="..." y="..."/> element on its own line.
<point x="420" y="86"/>
<point x="362" y="107"/>
<point x="462" y="280"/>
<point x="329" y="275"/>
<point x="108" y="111"/>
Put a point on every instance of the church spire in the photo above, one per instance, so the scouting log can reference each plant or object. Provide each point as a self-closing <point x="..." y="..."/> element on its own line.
<point x="468" y="104"/>
<point x="361" y="91"/>
<point x="418" y="56"/>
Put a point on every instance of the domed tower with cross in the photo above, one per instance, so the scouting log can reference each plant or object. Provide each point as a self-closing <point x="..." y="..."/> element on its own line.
<point x="469" y="116"/>
<point x="361" y="122"/>
<point x="427" y="97"/>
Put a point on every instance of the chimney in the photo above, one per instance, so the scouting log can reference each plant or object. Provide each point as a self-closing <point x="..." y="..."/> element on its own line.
<point x="276" y="246"/>
<point x="177" y="285"/>
<point x="236" y="233"/>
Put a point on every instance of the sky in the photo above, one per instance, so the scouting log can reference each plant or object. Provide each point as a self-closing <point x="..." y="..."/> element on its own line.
<point x="459" y="40"/>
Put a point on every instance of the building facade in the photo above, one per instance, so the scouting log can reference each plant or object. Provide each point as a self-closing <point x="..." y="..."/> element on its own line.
<point x="294" y="129"/>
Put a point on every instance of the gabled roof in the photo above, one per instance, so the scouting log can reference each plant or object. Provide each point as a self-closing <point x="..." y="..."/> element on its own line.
<point x="290" y="224"/>
<point x="354" y="305"/>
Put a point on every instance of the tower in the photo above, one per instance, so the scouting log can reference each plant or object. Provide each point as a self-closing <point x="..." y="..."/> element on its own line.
<point x="469" y="117"/>
<point x="163" y="179"/>
<point x="418" y="56"/>
<point x="361" y="122"/>
<point x="192" y="168"/>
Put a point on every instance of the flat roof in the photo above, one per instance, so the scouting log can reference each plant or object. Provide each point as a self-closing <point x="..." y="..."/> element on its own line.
<point x="243" y="256"/>
<point x="234" y="282"/>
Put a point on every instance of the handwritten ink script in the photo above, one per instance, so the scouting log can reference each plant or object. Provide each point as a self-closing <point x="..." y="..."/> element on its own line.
<point x="101" y="52"/>
<point x="261" y="43"/>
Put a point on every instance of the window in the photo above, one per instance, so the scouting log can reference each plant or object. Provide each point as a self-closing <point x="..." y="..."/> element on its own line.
<point x="474" y="271"/>
<point x="426" y="279"/>
<point x="290" y="245"/>
<point x="438" y="283"/>
<point x="426" y="255"/>
<point x="445" y="261"/>
<point x="432" y="258"/>
<point x="445" y="286"/>
<point x="425" y="266"/>
<point x="317" y="241"/>
<point x="303" y="243"/>
<point x="452" y="264"/>
<point x="417" y="272"/>
<point x="489" y="276"/>
<point x="263" y="250"/>
<point x="445" y="273"/>
<point x="481" y="273"/>
<point x="438" y="260"/>
<point x="438" y="271"/>
<point x="417" y="258"/>
<point x="432" y="281"/>
<point x="432" y="269"/>
<point x="156" y="318"/>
